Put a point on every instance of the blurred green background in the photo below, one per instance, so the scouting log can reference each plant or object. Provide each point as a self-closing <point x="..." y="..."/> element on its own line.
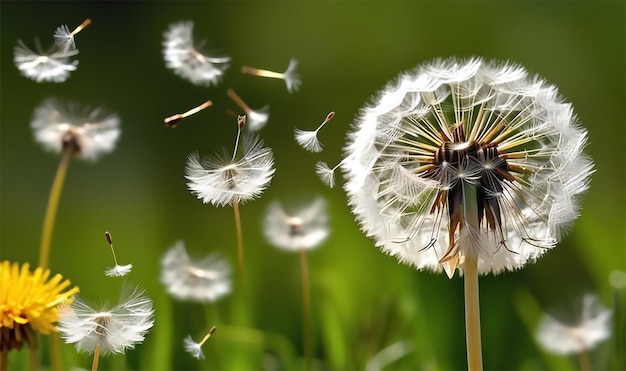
<point x="362" y="300"/>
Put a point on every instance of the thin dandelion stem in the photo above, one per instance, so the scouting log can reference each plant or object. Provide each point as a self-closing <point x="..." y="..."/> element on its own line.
<point x="4" y="360"/>
<point x="328" y="118"/>
<point x="472" y="315"/>
<point x="110" y="241"/>
<point x="96" y="358"/>
<point x="55" y="352"/>
<point x="263" y="73"/>
<point x="53" y="203"/>
<point x="207" y="336"/>
<point x="583" y="359"/>
<point x="238" y="101"/>
<point x="239" y="241"/>
<point x="239" y="127"/>
<point x="33" y="358"/>
<point x="85" y="23"/>
<point x="306" y="306"/>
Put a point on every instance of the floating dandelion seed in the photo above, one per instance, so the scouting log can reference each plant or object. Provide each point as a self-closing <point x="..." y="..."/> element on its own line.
<point x="174" y="120"/>
<point x="297" y="227"/>
<point x="466" y="164"/>
<point x="308" y="139"/>
<point x="326" y="174"/>
<point x="255" y="120"/>
<point x="291" y="77"/>
<point x="90" y="133"/>
<point x="183" y="56"/>
<point x="65" y="39"/>
<point x="593" y="327"/>
<point x="195" y="349"/>
<point x="117" y="270"/>
<point x="206" y="280"/>
<point x="108" y="330"/>
<point x="29" y="304"/>
<point x="54" y="65"/>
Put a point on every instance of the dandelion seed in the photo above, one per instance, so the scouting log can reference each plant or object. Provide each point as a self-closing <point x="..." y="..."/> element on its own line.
<point x="89" y="133"/>
<point x="326" y="174"/>
<point x="183" y="56"/>
<point x="196" y="348"/>
<point x="117" y="270"/>
<point x="256" y="120"/>
<point x="111" y="330"/>
<point x="221" y="180"/>
<point x="206" y="280"/>
<point x="29" y="304"/>
<point x="297" y="227"/>
<point x="54" y="65"/>
<point x="593" y="327"/>
<point x="65" y="39"/>
<point x="291" y="77"/>
<point x="466" y="158"/>
<point x="174" y="120"/>
<point x="308" y="139"/>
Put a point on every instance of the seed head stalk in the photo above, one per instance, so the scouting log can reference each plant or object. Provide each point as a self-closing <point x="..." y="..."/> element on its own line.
<point x="96" y="358"/>
<point x="262" y="73"/>
<point x="306" y="306"/>
<point x="470" y="274"/>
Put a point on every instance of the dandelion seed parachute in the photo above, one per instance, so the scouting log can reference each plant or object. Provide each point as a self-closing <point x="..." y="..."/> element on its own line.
<point x="455" y="141"/>
<point x="181" y="55"/>
<point x="52" y="66"/>
<point x="297" y="227"/>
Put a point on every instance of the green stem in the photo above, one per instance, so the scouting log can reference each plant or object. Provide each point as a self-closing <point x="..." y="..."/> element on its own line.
<point x="53" y="203"/>
<point x="583" y="358"/>
<point x="96" y="358"/>
<point x="239" y="242"/>
<point x="472" y="315"/>
<point x="306" y="306"/>
<point x="33" y="358"/>
<point x="55" y="352"/>
<point x="4" y="360"/>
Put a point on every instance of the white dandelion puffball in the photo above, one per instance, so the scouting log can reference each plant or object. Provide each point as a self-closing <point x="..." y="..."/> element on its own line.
<point x="465" y="159"/>
<point x="114" y="330"/>
<point x="593" y="327"/>
<point x="92" y="132"/>
<point x="52" y="66"/>
<point x="222" y="180"/>
<point x="297" y="227"/>
<point x="206" y="280"/>
<point x="181" y="55"/>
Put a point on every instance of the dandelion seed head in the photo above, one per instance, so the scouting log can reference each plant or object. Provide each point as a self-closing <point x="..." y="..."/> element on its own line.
<point x="592" y="327"/>
<point x="207" y="280"/>
<point x="453" y="133"/>
<point x="115" y="330"/>
<point x="301" y="226"/>
<point x="52" y="66"/>
<point x="221" y="181"/>
<point x="92" y="132"/>
<point x="181" y="54"/>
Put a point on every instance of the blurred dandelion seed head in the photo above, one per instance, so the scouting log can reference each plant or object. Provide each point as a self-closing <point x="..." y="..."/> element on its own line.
<point x="206" y="280"/>
<point x="183" y="56"/>
<point x="115" y="330"/>
<point x="54" y="65"/>
<point x="462" y="158"/>
<point x="302" y="226"/>
<point x="92" y="132"/>
<point x="592" y="327"/>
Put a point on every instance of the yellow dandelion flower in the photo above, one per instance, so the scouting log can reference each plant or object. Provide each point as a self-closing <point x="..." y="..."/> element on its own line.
<point x="28" y="303"/>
